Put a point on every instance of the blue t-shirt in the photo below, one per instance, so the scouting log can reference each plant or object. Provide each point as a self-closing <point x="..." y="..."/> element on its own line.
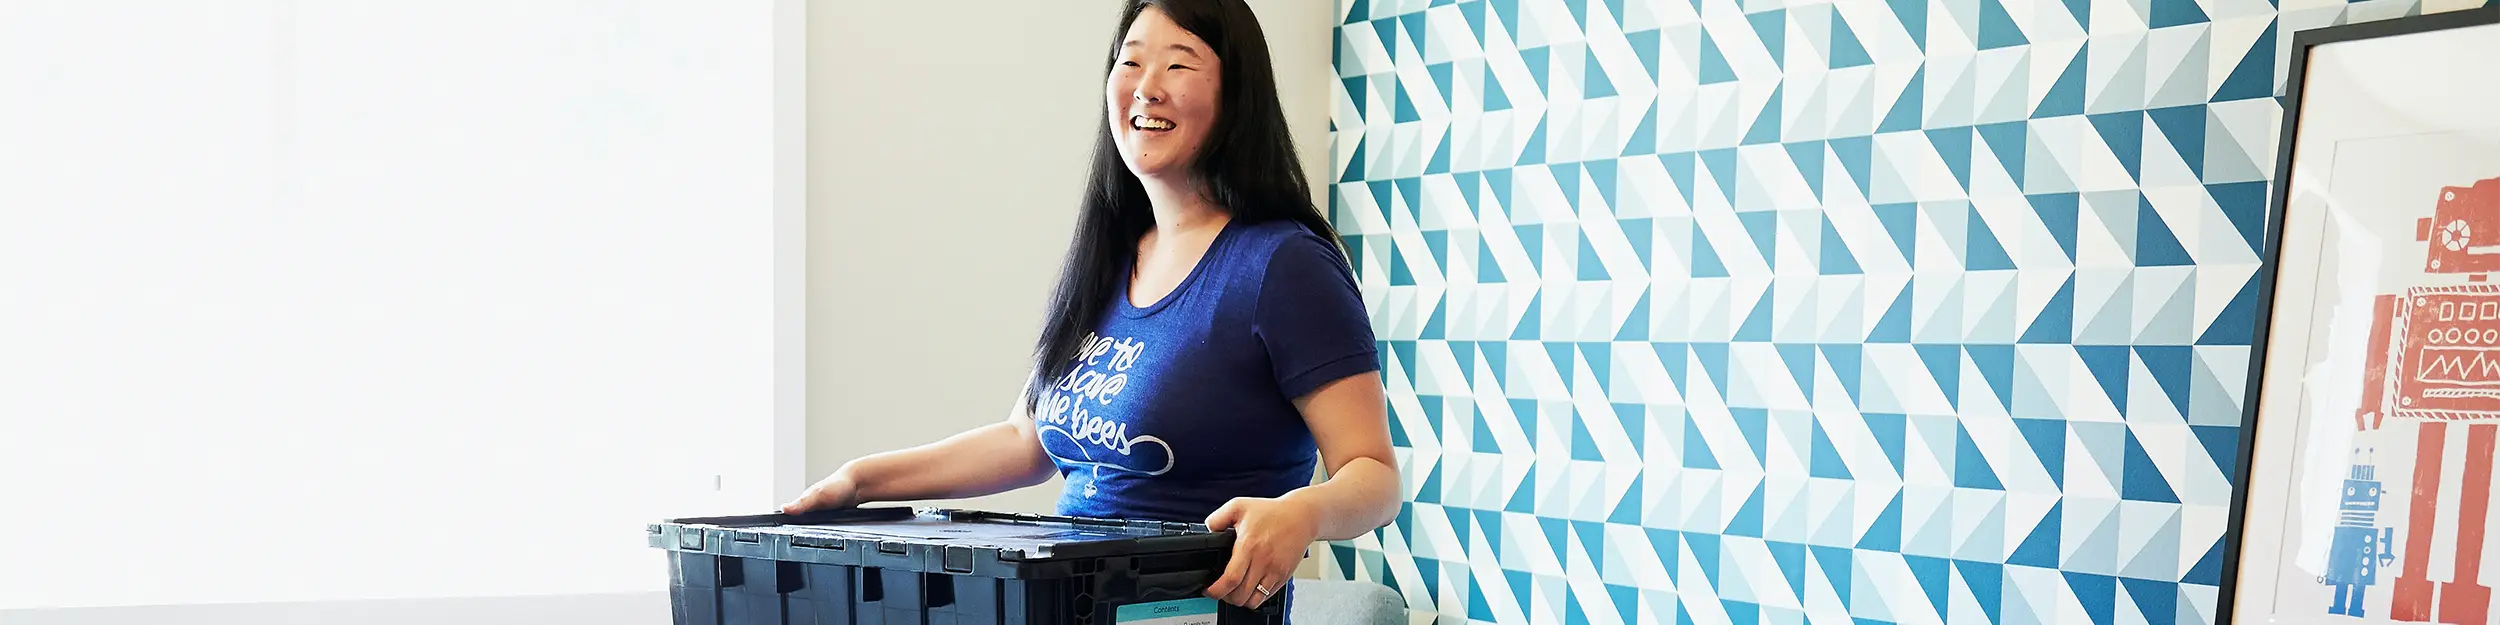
<point x="1180" y="406"/>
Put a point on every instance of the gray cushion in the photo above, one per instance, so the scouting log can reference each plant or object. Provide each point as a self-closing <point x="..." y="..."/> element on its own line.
<point x="1340" y="602"/>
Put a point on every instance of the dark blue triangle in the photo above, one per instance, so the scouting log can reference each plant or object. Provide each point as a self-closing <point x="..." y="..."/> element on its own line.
<point x="1809" y="159"/>
<point x="1935" y="576"/>
<point x="2056" y="323"/>
<point x="1984" y="250"/>
<point x="1438" y="243"/>
<point x="1721" y="164"/>
<point x="2062" y="214"/>
<point x="1997" y="28"/>
<point x="1906" y="113"/>
<point x="2010" y="141"/>
<point x="1567" y="177"/>
<point x="1647" y="46"/>
<point x="1524" y="501"/>
<point x="1557" y="534"/>
<point x="2097" y="593"/>
<point x="2169" y="13"/>
<point x="1891" y="432"/>
<point x="1593" y="80"/>
<point x="1580" y="18"/>
<point x="1673" y="357"/>
<point x="1766" y="127"/>
<point x="1763" y="228"/>
<point x="1561" y="354"/>
<point x="2172" y="367"/>
<point x="2185" y="126"/>
<point x="1825" y="461"/>
<point x="1399" y="275"/>
<point x="1496" y="357"/>
<point x="1697" y="449"/>
<point x="1494" y="98"/>
<point x="2155" y="246"/>
<point x="2222" y="446"/>
<point x="1540" y="67"/>
<point x="1748" y="519"/>
<point x="1913" y="16"/>
<point x="1954" y="145"/>
<point x="1431" y="492"/>
<point x="1713" y="359"/>
<point x="1354" y="247"/>
<point x="1836" y="259"/>
<point x="1668" y="545"/>
<point x="1837" y="568"/>
<point x="2245" y="204"/>
<point x="2237" y="324"/>
<point x="1384" y="196"/>
<point x="1996" y="366"/>
<point x="1593" y="539"/>
<point x="1440" y="163"/>
<point x="1705" y="548"/>
<point x="1601" y="174"/>
<point x="1354" y="165"/>
<point x="2108" y="364"/>
<point x="1634" y="418"/>
<point x="2039" y="550"/>
<point x="1645" y="136"/>
<point x="1791" y="558"/>
<point x="2082" y="10"/>
<point x="1757" y="326"/>
<point x="1799" y="357"/>
<point x="1636" y="326"/>
<point x="1894" y="327"/>
<point x="1397" y="435"/>
<point x="1413" y="24"/>
<point x="1535" y="150"/>
<point x="1714" y="67"/>
<point x="1484" y="437"/>
<point x="1387" y="28"/>
<point x="1432" y="405"/>
<point x="1856" y="156"/>
<point x="1986" y="581"/>
<point x="1846" y="360"/>
<point x="1705" y="261"/>
<point x="2047" y="438"/>
<point x="2208" y="569"/>
<point x="1680" y="166"/>
<point x="2152" y="597"/>
<point x="1499" y="180"/>
<point x="1528" y="323"/>
<point x="1358" y="88"/>
<point x="1627" y="600"/>
<point x="1970" y="468"/>
<point x="1628" y="510"/>
<point x="1772" y="27"/>
<point x="1362" y="11"/>
<point x="1508" y="12"/>
<point x="1847" y="50"/>
<point x="2254" y="78"/>
<point x="1637" y="232"/>
<point x="1944" y="364"/>
<point x="2142" y="480"/>
<point x="1406" y="356"/>
<point x="2124" y="132"/>
<point x="1526" y="413"/>
<point x="1755" y="425"/>
<point x="1474" y="12"/>
<point x="2065" y="97"/>
<point x="1487" y="271"/>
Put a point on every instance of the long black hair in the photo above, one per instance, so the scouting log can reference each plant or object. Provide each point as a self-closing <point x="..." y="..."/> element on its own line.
<point x="1247" y="164"/>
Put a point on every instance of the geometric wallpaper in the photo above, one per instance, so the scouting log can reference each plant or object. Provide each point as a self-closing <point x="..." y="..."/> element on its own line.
<point x="1755" y="312"/>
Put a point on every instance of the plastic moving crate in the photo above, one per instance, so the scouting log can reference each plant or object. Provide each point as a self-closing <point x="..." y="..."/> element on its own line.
<point x="889" y="566"/>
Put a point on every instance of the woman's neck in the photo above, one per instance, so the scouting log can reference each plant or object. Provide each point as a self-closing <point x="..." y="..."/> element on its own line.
<point x="1183" y="207"/>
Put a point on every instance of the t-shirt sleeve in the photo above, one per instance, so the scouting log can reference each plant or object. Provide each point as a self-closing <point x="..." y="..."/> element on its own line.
<point x="1311" y="318"/>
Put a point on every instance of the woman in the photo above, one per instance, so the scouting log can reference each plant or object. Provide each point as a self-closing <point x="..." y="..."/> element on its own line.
<point x="1206" y="337"/>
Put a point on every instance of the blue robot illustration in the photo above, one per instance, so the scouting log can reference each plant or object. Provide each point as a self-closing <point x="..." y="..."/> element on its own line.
<point x="2360" y="547"/>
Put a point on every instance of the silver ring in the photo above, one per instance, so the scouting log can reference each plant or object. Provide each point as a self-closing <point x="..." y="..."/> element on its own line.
<point x="1262" y="588"/>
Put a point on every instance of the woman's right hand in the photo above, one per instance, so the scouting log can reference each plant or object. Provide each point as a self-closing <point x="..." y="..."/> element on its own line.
<point x="835" y="492"/>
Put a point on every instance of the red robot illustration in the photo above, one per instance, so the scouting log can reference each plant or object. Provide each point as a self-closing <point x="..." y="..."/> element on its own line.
<point x="2434" y="359"/>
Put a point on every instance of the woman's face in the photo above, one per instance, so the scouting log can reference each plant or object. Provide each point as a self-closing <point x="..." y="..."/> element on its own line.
<point x="1162" y="96"/>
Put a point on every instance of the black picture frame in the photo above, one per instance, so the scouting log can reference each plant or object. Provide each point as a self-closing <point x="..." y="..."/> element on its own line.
<point x="2304" y="44"/>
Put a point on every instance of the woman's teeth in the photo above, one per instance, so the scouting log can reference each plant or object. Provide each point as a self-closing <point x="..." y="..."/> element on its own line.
<point x="1142" y="122"/>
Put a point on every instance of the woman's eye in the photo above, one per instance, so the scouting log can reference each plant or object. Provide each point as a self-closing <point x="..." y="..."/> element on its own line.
<point x="1179" y="67"/>
<point x="1128" y="63"/>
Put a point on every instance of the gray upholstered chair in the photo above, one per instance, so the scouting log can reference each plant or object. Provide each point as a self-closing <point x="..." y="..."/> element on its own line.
<point x="1340" y="602"/>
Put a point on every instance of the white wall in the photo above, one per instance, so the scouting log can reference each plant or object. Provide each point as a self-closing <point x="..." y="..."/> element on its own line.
<point x="945" y="157"/>
<point x="315" y="301"/>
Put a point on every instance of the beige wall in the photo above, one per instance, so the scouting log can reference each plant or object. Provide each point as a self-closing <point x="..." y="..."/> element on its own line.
<point x="945" y="155"/>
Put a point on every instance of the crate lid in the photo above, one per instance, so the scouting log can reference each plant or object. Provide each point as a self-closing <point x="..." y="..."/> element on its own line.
<point x="947" y="535"/>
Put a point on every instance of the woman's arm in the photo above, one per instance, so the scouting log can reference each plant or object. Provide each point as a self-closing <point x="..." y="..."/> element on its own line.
<point x="1350" y="420"/>
<point x="987" y="460"/>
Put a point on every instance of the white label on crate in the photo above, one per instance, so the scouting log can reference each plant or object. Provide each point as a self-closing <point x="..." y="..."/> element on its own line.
<point x="1182" y="612"/>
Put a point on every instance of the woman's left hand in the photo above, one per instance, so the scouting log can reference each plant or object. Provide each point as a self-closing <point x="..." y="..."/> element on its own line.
<point x="1271" y="537"/>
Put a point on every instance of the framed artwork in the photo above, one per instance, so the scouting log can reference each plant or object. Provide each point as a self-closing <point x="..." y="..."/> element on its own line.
<point x="2365" y="490"/>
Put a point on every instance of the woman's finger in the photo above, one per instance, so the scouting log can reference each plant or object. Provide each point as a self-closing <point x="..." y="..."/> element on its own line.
<point x="1236" y="574"/>
<point x="1246" y="592"/>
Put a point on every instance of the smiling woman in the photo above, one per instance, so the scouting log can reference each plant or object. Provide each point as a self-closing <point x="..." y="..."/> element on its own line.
<point x="1206" y="344"/>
